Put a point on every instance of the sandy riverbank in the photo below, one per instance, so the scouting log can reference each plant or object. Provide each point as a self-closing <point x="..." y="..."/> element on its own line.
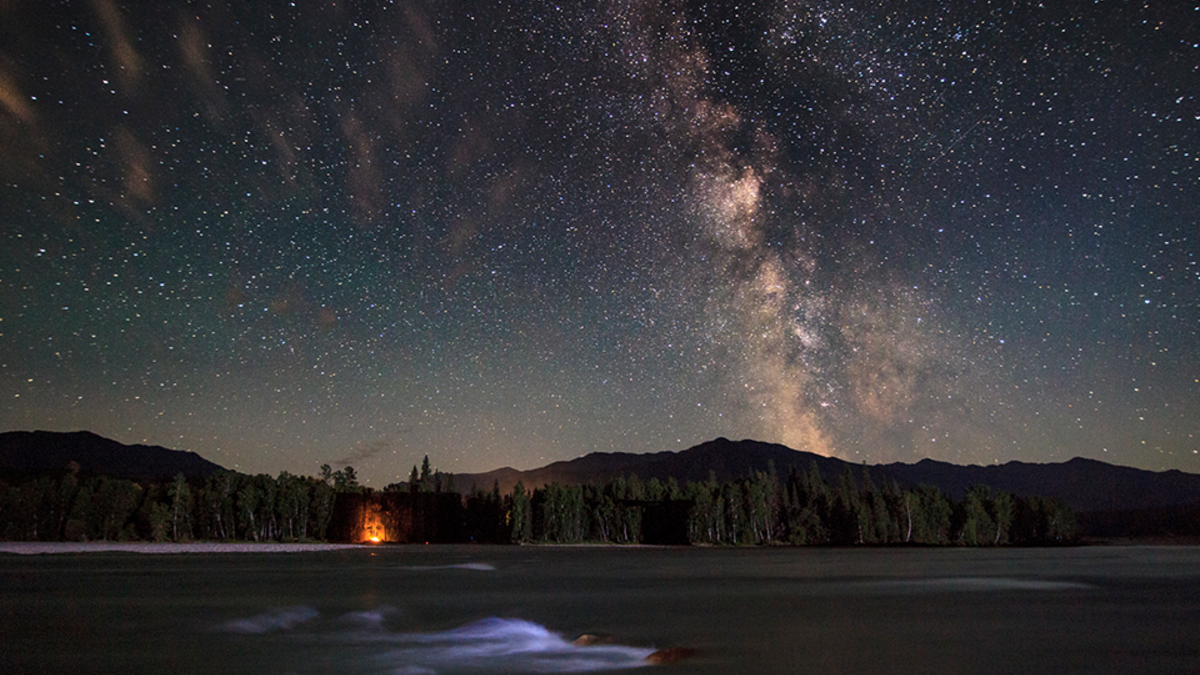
<point x="41" y="548"/>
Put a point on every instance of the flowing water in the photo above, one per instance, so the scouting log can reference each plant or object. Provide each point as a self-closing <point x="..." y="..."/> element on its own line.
<point x="402" y="610"/>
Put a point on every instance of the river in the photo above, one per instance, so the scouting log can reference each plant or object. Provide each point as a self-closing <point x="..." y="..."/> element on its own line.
<point x="411" y="610"/>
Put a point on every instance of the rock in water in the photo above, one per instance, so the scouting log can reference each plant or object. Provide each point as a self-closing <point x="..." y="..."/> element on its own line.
<point x="670" y="655"/>
<point x="587" y="640"/>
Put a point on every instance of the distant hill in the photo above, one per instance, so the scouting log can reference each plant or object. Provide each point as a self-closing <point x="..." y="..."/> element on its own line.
<point x="722" y="458"/>
<point x="1084" y="484"/>
<point x="32" y="452"/>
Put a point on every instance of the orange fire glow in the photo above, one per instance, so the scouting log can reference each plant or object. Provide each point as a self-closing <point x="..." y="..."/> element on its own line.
<point x="372" y="528"/>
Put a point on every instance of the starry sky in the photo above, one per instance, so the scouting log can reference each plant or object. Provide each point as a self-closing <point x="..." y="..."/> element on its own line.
<point x="282" y="234"/>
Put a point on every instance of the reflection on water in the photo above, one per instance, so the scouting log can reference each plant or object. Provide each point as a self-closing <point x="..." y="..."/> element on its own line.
<point x="276" y="619"/>
<point x="506" y="646"/>
<point x="519" y="609"/>
<point x="491" y="645"/>
<point x="476" y="566"/>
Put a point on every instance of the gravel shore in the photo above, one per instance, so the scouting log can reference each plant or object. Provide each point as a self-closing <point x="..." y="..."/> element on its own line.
<point x="41" y="548"/>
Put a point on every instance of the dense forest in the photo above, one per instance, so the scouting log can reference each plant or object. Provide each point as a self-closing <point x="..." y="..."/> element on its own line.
<point x="760" y="509"/>
<point x="803" y="509"/>
<point x="226" y="506"/>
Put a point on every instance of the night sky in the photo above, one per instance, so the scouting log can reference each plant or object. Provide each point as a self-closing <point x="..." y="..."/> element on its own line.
<point x="282" y="234"/>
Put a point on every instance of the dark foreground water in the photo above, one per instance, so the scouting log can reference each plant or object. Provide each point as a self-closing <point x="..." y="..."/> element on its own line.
<point x="409" y="610"/>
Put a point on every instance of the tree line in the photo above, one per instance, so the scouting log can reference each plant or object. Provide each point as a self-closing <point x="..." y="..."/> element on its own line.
<point x="803" y="509"/>
<point x="226" y="506"/>
<point x="758" y="509"/>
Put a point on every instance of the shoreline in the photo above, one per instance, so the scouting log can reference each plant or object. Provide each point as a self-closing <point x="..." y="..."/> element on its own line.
<point x="151" y="548"/>
<point x="54" y="548"/>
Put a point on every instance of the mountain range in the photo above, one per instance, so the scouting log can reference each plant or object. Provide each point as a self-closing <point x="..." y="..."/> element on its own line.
<point x="1086" y="485"/>
<point x="24" y="453"/>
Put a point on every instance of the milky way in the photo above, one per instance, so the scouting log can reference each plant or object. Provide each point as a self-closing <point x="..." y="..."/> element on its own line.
<point x="287" y="234"/>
